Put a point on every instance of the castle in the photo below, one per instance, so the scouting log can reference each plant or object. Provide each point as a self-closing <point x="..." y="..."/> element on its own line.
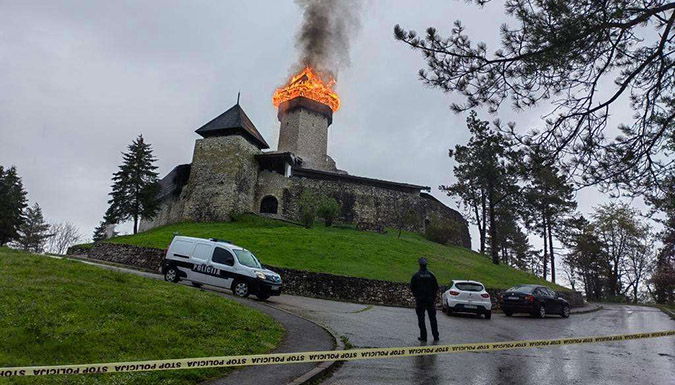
<point x="231" y="172"/>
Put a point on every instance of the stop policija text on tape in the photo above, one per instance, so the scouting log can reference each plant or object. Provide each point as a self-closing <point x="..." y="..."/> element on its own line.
<point x="304" y="357"/>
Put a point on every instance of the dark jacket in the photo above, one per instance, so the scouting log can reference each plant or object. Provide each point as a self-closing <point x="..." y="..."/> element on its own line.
<point x="424" y="286"/>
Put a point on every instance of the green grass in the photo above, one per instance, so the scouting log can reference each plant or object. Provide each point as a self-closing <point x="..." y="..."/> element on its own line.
<point x="343" y="251"/>
<point x="65" y="312"/>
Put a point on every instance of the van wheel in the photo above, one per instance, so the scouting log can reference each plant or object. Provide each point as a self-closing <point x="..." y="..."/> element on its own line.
<point x="196" y="284"/>
<point x="240" y="289"/>
<point x="171" y="274"/>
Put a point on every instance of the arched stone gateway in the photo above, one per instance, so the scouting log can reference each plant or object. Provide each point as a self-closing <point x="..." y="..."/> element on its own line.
<point x="269" y="205"/>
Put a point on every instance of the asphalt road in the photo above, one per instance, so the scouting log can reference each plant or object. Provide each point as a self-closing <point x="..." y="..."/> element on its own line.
<point x="645" y="362"/>
<point x="639" y="362"/>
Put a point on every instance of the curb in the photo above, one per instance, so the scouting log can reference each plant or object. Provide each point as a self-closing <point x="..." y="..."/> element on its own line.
<point x="594" y="309"/>
<point x="324" y="367"/>
<point x="669" y="313"/>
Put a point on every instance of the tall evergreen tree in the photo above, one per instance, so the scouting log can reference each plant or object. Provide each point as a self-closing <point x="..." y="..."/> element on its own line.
<point x="12" y="204"/>
<point x="34" y="231"/>
<point x="486" y="178"/>
<point x="135" y="186"/>
<point x="99" y="232"/>
<point x="514" y="247"/>
<point x="548" y="200"/>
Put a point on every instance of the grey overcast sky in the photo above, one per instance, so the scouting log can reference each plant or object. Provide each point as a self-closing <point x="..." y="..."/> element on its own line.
<point x="79" y="80"/>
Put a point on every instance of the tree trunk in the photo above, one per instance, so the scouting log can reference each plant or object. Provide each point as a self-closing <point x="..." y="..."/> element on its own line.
<point x="635" y="293"/>
<point x="483" y="230"/>
<point x="135" y="224"/>
<point x="494" y="250"/>
<point x="545" y="247"/>
<point x="550" y="246"/>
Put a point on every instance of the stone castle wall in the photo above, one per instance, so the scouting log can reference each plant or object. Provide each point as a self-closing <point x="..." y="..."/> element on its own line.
<point x="222" y="179"/>
<point x="360" y="203"/>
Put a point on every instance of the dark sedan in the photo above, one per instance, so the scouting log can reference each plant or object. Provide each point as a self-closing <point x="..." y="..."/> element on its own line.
<point x="535" y="300"/>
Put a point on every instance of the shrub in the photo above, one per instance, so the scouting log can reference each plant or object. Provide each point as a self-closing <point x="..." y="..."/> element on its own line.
<point x="328" y="209"/>
<point x="443" y="231"/>
<point x="308" y="206"/>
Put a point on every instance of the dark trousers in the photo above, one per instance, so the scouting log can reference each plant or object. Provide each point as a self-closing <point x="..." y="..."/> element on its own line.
<point x="429" y="307"/>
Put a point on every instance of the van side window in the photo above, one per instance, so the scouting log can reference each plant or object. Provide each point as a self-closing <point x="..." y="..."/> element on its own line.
<point x="202" y="251"/>
<point x="182" y="248"/>
<point x="222" y="256"/>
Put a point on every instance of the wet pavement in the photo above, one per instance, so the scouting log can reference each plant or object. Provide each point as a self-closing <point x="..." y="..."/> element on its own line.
<point x="650" y="361"/>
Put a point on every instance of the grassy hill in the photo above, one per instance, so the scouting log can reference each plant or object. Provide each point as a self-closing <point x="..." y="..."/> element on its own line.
<point x="65" y="312"/>
<point x="342" y="250"/>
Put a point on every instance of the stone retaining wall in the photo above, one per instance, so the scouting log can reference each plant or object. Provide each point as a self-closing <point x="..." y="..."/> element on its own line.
<point x="143" y="257"/>
<point x="296" y="282"/>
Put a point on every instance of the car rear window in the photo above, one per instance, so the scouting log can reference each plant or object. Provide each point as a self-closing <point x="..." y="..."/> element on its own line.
<point x="466" y="286"/>
<point x="523" y="289"/>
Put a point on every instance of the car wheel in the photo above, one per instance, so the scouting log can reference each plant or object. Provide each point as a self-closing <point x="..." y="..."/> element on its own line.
<point x="450" y="311"/>
<point x="444" y="307"/>
<point x="508" y="313"/>
<point x="240" y="289"/>
<point x="171" y="274"/>
<point x="262" y="296"/>
<point x="541" y="312"/>
<point x="488" y="314"/>
<point x="196" y="284"/>
<point x="565" y="311"/>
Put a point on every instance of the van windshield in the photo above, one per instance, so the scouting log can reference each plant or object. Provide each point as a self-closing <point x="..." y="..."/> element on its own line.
<point x="246" y="258"/>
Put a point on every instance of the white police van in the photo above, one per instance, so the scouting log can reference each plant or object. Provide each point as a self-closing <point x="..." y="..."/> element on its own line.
<point x="219" y="263"/>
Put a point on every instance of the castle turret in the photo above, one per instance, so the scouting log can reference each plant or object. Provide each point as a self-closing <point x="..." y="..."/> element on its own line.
<point x="304" y="132"/>
<point x="224" y="170"/>
<point x="306" y="106"/>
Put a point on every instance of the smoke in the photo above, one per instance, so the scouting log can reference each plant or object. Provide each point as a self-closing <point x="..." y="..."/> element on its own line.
<point x="326" y="31"/>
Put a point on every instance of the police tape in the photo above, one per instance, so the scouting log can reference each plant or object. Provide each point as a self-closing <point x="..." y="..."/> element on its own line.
<point x="317" y="356"/>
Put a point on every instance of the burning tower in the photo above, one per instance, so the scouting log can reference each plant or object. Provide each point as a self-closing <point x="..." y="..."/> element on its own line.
<point x="305" y="111"/>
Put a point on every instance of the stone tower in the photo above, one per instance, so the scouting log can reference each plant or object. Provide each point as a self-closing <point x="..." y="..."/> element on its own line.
<point x="224" y="170"/>
<point x="304" y="132"/>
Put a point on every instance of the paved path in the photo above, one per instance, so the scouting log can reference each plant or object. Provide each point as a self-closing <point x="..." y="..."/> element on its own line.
<point x="648" y="362"/>
<point x="301" y="335"/>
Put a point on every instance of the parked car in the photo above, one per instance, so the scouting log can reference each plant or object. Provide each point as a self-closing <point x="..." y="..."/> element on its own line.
<point x="467" y="297"/>
<point x="534" y="299"/>
<point x="219" y="263"/>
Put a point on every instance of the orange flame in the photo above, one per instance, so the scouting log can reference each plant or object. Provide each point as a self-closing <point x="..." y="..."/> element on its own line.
<point x="307" y="83"/>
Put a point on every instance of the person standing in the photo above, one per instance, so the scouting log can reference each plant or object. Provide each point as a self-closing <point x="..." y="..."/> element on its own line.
<point x="424" y="288"/>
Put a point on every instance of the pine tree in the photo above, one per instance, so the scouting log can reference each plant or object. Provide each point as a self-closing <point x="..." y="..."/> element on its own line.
<point x="12" y="204"/>
<point x="581" y="61"/>
<point x="548" y="200"/>
<point x="135" y="186"/>
<point x="486" y="178"/>
<point x="34" y="231"/>
<point x="99" y="232"/>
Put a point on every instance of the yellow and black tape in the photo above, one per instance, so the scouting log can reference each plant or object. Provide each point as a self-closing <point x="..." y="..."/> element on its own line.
<point x="318" y="356"/>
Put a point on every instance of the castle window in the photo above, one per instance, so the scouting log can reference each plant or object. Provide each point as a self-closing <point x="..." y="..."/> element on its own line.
<point x="269" y="205"/>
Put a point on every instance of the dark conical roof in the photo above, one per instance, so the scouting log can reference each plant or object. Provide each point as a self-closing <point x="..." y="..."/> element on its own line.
<point x="233" y="122"/>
